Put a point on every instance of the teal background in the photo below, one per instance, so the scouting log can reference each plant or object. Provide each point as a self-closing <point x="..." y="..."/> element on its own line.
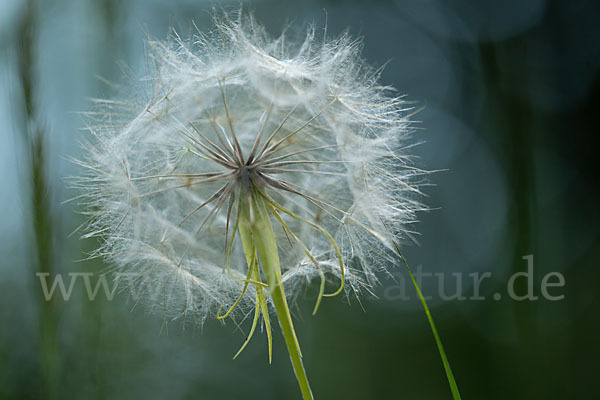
<point x="510" y="96"/>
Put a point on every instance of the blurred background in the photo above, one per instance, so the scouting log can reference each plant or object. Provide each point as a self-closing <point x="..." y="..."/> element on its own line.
<point x="510" y="95"/>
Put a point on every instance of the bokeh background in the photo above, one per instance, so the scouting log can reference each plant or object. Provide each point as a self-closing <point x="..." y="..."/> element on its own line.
<point x="509" y="92"/>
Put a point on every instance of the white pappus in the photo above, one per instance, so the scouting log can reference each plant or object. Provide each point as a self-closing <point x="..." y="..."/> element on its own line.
<point x="304" y="125"/>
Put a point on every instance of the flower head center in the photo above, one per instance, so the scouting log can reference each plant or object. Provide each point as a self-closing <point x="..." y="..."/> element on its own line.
<point x="244" y="177"/>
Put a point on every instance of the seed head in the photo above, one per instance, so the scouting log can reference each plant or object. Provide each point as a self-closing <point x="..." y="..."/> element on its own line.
<point x="222" y="117"/>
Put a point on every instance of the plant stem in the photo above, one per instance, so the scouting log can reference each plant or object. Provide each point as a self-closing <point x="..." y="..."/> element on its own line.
<point x="287" y="328"/>
<point x="257" y="236"/>
<point x="438" y="341"/>
<point x="44" y="245"/>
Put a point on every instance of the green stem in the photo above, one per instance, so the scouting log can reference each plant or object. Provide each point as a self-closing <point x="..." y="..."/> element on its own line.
<point x="257" y="235"/>
<point x="438" y="341"/>
<point x="287" y="329"/>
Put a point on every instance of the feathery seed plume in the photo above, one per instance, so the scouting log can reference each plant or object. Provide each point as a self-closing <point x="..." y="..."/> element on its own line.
<point x="246" y="167"/>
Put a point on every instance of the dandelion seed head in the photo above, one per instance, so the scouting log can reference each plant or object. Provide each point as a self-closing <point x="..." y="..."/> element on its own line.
<point x="304" y="122"/>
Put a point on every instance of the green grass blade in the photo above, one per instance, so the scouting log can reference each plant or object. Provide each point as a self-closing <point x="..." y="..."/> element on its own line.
<point x="449" y="375"/>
